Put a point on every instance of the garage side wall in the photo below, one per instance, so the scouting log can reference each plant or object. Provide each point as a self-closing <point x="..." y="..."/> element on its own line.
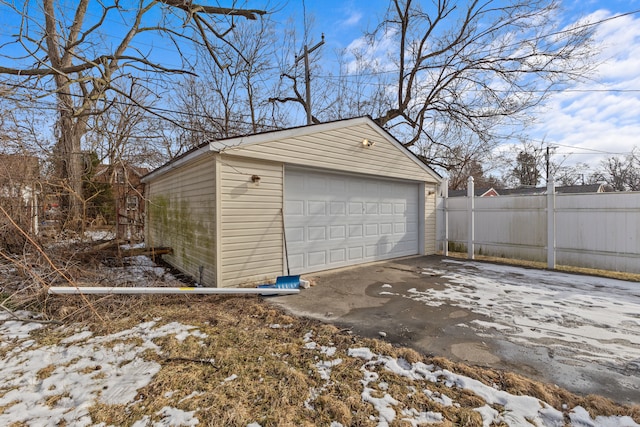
<point x="251" y="220"/>
<point x="430" y="192"/>
<point x="181" y="206"/>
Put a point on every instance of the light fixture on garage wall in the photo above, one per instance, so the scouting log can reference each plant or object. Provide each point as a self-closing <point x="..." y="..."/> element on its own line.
<point x="367" y="143"/>
<point x="255" y="179"/>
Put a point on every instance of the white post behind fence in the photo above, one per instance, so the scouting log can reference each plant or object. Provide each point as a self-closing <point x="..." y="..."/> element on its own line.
<point x="445" y="199"/>
<point x="551" y="224"/>
<point x="471" y="219"/>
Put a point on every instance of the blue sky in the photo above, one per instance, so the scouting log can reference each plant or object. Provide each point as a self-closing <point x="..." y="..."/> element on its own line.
<point x="594" y="120"/>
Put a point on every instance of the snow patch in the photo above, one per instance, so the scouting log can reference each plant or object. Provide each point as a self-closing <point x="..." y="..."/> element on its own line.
<point x="515" y="410"/>
<point x="108" y="369"/>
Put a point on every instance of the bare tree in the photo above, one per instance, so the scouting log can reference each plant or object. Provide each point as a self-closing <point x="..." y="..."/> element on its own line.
<point x="215" y="105"/>
<point x="472" y="68"/>
<point x="458" y="177"/>
<point x="578" y="174"/>
<point x="66" y="52"/>
<point x="622" y="173"/>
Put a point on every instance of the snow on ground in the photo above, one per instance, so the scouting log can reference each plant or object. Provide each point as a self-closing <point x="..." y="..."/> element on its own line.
<point x="49" y="385"/>
<point x="588" y="318"/>
<point x="514" y="410"/>
<point x="78" y="372"/>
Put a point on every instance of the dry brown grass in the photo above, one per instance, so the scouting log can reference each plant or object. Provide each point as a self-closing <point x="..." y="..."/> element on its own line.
<point x="276" y="373"/>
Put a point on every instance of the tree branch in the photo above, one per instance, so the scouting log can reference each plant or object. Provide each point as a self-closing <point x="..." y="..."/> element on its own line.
<point x="192" y="9"/>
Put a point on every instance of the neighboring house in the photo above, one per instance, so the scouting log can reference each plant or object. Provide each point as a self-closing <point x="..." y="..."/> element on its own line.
<point x="478" y="192"/>
<point x="19" y="189"/>
<point x="128" y="193"/>
<point x="348" y="192"/>
<point x="566" y="189"/>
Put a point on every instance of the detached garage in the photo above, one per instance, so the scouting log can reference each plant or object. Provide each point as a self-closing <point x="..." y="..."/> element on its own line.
<point x="346" y="192"/>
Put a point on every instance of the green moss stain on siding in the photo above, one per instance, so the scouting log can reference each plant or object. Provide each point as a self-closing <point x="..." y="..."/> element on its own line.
<point x="173" y="223"/>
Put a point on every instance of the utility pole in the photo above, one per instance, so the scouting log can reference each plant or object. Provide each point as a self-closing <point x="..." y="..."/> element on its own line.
<point x="548" y="161"/>
<point x="307" y="76"/>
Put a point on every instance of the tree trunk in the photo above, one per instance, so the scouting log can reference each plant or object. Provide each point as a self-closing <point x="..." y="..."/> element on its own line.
<point x="70" y="167"/>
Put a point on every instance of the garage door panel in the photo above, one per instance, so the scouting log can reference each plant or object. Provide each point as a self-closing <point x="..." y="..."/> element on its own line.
<point x="295" y="235"/>
<point x="335" y="220"/>
<point x="355" y="230"/>
<point x="316" y="207"/>
<point x="372" y="208"/>
<point x="399" y="208"/>
<point x="386" y="229"/>
<point x="338" y="255"/>
<point x="338" y="232"/>
<point x="294" y="207"/>
<point x="356" y="253"/>
<point x="386" y="208"/>
<point x="317" y="258"/>
<point x="338" y="208"/>
<point x="371" y="230"/>
<point x="296" y="261"/>
<point x="316" y="234"/>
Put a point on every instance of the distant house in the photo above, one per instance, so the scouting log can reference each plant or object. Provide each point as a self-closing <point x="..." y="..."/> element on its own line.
<point x="478" y="192"/>
<point x="19" y="189"/>
<point x="566" y="189"/>
<point x="128" y="192"/>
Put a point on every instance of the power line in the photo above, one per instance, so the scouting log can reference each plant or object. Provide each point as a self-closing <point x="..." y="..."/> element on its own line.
<point x="593" y="150"/>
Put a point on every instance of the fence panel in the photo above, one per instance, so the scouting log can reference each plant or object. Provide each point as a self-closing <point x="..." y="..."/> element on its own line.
<point x="596" y="230"/>
<point x="600" y="230"/>
<point x="513" y="225"/>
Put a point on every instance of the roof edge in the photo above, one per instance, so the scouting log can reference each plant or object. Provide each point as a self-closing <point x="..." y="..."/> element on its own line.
<point x="177" y="162"/>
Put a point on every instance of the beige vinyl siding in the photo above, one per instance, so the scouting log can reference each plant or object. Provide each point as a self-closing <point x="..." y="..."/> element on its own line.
<point x="430" y="192"/>
<point x="181" y="215"/>
<point x="340" y="150"/>
<point x="251" y="221"/>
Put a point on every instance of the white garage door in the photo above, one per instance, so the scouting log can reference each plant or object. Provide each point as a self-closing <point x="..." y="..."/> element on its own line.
<point x="335" y="220"/>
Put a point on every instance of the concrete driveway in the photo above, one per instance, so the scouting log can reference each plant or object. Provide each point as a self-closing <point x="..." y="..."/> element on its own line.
<point x="579" y="332"/>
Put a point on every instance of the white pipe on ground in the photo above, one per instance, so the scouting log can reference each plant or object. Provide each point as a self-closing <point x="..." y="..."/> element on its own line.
<point x="151" y="290"/>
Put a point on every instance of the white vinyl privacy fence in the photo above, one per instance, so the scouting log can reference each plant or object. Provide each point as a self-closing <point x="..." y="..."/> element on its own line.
<point x="593" y="230"/>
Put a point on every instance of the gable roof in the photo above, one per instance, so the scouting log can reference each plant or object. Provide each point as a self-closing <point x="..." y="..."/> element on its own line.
<point x="223" y="145"/>
<point x="563" y="189"/>
<point x="478" y="192"/>
<point x="530" y="191"/>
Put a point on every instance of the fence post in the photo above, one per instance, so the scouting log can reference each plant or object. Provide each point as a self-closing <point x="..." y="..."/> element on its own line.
<point x="445" y="205"/>
<point x="551" y="224"/>
<point x="470" y="217"/>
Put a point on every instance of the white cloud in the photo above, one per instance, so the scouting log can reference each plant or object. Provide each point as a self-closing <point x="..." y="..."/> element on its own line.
<point x="377" y="54"/>
<point x="353" y="19"/>
<point x="603" y="117"/>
